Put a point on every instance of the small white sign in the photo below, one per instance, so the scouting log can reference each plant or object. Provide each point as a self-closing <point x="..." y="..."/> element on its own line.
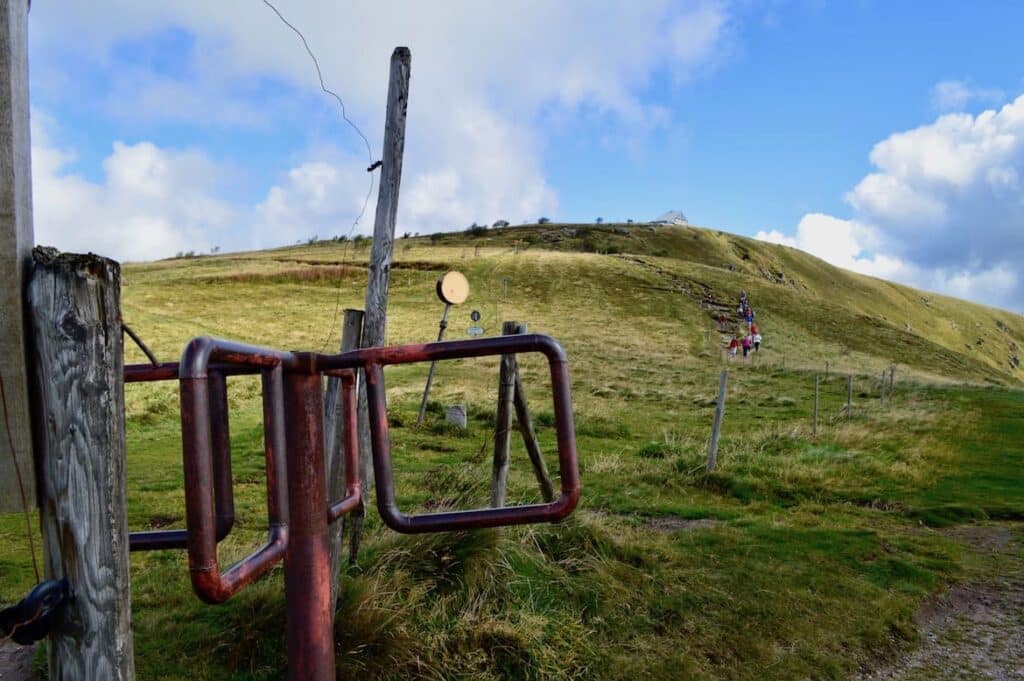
<point x="475" y="331"/>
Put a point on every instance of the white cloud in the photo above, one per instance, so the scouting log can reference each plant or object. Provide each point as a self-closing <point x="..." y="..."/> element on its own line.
<point x="152" y="202"/>
<point x="944" y="209"/>
<point x="955" y="95"/>
<point x="486" y="78"/>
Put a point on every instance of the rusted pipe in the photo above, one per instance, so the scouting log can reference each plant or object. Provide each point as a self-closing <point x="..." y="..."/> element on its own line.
<point x="209" y="582"/>
<point x="307" y="573"/>
<point x="224" y="500"/>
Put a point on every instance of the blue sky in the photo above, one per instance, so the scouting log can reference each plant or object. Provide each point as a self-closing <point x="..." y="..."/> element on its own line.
<point x="884" y="137"/>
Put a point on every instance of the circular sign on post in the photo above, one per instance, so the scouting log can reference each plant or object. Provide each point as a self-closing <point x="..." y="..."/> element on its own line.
<point x="453" y="288"/>
<point x="475" y="315"/>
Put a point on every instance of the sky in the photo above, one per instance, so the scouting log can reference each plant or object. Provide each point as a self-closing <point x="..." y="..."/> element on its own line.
<point x="887" y="138"/>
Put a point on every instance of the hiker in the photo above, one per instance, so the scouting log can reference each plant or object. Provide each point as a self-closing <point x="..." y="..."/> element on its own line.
<point x="747" y="343"/>
<point x="749" y="313"/>
<point x="757" y="342"/>
<point x="753" y="329"/>
<point x="722" y="319"/>
<point x="734" y="345"/>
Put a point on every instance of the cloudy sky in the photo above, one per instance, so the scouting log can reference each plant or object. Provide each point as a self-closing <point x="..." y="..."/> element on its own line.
<point x="883" y="137"/>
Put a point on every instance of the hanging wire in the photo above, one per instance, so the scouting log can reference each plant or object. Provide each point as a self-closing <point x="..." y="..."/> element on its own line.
<point x="369" y="155"/>
<point x="21" y="482"/>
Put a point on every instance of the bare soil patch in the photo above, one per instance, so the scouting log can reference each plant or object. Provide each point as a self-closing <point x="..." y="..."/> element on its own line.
<point x="974" y="630"/>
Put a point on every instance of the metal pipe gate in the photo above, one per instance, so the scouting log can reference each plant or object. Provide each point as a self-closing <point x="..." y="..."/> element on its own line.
<point x="298" y="510"/>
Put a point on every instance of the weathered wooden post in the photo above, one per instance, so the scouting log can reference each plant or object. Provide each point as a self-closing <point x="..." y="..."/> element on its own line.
<point x="849" y="396"/>
<point x="379" y="270"/>
<point x="814" y="426"/>
<point x="503" y="423"/>
<point x="892" y="382"/>
<point x="16" y="241"/>
<point x="716" y="427"/>
<point x="881" y="390"/>
<point x="351" y="332"/>
<point x="78" y="403"/>
<point x="525" y="421"/>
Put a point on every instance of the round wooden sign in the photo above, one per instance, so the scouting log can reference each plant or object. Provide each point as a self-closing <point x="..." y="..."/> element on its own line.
<point x="453" y="288"/>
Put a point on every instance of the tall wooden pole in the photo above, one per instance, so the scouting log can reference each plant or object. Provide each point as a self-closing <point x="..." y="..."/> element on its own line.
<point x="16" y="242"/>
<point x="77" y="380"/>
<point x="716" y="427"/>
<point x="503" y="423"/>
<point x="334" y="434"/>
<point x="379" y="270"/>
<point x="849" y="396"/>
<point x="814" y="427"/>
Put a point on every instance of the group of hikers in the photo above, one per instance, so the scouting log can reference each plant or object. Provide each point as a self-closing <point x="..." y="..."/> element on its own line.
<point x="751" y="341"/>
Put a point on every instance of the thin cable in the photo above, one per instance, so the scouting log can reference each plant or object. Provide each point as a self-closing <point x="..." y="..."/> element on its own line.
<point x="369" y="155"/>
<point x="21" y="483"/>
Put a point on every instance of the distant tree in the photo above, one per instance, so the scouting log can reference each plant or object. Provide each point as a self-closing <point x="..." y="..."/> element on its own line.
<point x="629" y="221"/>
<point x="406" y="235"/>
<point x="435" y="237"/>
<point x="542" y="221"/>
<point x="500" y="223"/>
<point x="476" y="230"/>
<point x="599" y="220"/>
<point x="215" y="250"/>
<point x="312" y="240"/>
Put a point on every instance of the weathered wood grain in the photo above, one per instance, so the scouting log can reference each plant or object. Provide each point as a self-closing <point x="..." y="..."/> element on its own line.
<point x="334" y="434"/>
<point x="379" y="270"/>
<point x="16" y="242"/>
<point x="78" y="403"/>
<point x="716" y="427"/>
<point x="503" y="423"/>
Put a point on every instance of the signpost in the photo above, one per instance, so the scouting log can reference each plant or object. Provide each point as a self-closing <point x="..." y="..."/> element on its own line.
<point x="452" y="289"/>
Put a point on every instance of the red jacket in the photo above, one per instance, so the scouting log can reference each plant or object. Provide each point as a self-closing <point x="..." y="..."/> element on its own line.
<point x="734" y="343"/>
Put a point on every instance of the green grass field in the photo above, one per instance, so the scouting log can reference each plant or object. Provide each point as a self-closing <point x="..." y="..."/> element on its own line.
<point x="800" y="557"/>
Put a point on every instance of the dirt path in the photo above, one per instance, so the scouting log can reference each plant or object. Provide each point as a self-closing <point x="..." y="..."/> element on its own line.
<point x="976" y="629"/>
<point x="16" y="661"/>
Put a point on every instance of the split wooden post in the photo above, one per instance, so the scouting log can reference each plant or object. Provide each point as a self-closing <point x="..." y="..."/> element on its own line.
<point x="881" y="391"/>
<point x="503" y="423"/>
<point x="525" y="421"/>
<point x="77" y="356"/>
<point x="892" y="383"/>
<point x="379" y="270"/>
<point x="814" y="426"/>
<point x="716" y="427"/>
<point x="334" y="438"/>
<point x="849" y="396"/>
<point x="16" y="240"/>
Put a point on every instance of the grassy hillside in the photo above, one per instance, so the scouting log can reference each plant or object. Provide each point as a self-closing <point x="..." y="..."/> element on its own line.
<point x="800" y="557"/>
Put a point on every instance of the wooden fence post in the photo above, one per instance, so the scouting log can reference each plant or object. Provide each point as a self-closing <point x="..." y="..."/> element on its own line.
<point x="334" y="433"/>
<point x="881" y="391"/>
<point x="503" y="423"/>
<point x="525" y="421"/>
<point x="716" y="427"/>
<point x="892" y="382"/>
<point x="78" y="402"/>
<point x="814" y="427"/>
<point x="379" y="270"/>
<point x="16" y="241"/>
<point x="849" y="396"/>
